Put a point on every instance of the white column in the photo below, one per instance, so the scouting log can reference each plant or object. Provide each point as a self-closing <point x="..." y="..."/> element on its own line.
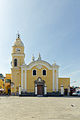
<point x="35" y="89"/>
<point x="62" y="90"/>
<point x="25" y="80"/>
<point x="57" y="79"/>
<point x="45" y="90"/>
<point x="68" y="90"/>
<point x="19" y="90"/>
<point x="53" y="80"/>
<point x="22" y="78"/>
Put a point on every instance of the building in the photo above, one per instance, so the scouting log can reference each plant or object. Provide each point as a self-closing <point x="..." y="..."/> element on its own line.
<point x="1" y="83"/>
<point x="37" y="78"/>
<point x="8" y="84"/>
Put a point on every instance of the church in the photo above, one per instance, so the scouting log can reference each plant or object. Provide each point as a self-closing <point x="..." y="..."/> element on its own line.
<point x="36" y="78"/>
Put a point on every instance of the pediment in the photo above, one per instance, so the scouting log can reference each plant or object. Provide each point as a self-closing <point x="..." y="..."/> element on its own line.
<point x="39" y="64"/>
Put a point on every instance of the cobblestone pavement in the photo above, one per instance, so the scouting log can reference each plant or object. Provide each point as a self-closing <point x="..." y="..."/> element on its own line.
<point x="39" y="108"/>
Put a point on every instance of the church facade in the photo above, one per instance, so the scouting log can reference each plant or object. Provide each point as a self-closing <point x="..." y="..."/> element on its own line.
<point x="38" y="77"/>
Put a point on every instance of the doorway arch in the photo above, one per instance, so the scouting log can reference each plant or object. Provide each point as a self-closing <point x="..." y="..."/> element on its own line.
<point x="39" y="83"/>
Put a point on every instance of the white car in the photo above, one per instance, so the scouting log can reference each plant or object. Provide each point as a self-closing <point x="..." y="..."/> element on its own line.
<point x="76" y="93"/>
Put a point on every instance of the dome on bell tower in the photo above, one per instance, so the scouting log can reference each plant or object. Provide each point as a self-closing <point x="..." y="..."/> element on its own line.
<point x="18" y="41"/>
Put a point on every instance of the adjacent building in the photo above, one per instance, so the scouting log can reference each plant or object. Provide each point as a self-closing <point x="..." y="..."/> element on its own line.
<point x="8" y="84"/>
<point x="1" y="83"/>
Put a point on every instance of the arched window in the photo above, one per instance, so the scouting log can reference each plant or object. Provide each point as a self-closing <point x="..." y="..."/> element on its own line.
<point x="34" y="72"/>
<point x="15" y="62"/>
<point x="44" y="72"/>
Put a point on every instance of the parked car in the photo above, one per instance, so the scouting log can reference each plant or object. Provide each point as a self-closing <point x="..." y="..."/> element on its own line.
<point x="76" y="93"/>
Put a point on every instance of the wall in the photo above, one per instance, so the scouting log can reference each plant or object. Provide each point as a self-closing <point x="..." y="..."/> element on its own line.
<point x="31" y="79"/>
<point x="15" y="78"/>
<point x="63" y="81"/>
<point x="7" y="85"/>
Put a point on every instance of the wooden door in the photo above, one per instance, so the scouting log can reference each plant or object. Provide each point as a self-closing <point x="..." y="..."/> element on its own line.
<point x="40" y="90"/>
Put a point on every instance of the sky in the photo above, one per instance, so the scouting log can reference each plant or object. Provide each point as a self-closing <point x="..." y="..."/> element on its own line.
<point x="48" y="27"/>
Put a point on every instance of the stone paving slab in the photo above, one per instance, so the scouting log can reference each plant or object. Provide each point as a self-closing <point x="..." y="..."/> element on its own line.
<point x="39" y="108"/>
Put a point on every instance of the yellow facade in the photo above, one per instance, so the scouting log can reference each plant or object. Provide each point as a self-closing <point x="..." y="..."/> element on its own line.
<point x="8" y="76"/>
<point x="7" y="83"/>
<point x="19" y="58"/>
<point x="45" y="79"/>
<point x="17" y="53"/>
<point x="1" y="83"/>
<point x="31" y="79"/>
<point x="64" y="81"/>
<point x="16" y="78"/>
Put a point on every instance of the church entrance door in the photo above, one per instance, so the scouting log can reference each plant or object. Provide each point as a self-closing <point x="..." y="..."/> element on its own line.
<point x="39" y="83"/>
<point x="39" y="89"/>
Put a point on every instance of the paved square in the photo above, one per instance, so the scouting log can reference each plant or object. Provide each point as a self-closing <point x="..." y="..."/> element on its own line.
<point x="39" y="108"/>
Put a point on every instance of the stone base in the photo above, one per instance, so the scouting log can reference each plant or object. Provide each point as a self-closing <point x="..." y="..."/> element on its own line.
<point x="33" y="94"/>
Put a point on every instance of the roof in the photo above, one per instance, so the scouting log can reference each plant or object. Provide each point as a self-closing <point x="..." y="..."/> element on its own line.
<point x="18" y="42"/>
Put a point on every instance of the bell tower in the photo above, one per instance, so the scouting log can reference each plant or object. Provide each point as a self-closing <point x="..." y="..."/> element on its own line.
<point x="18" y="53"/>
<point x="17" y="60"/>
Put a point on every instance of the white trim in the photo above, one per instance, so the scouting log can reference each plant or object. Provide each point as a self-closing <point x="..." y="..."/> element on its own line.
<point x="55" y="87"/>
<point x="62" y="90"/>
<point x="16" y="67"/>
<point x="19" y="90"/>
<point x="53" y="81"/>
<point x="39" y="67"/>
<point x="22" y="78"/>
<point x="57" y="80"/>
<point x="36" y="63"/>
<point x="45" y="90"/>
<point x="35" y="89"/>
<point x="25" y="80"/>
<point x="23" y="67"/>
<point x="18" y="54"/>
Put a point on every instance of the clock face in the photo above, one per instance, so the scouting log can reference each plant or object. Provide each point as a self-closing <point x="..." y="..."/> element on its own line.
<point x="18" y="50"/>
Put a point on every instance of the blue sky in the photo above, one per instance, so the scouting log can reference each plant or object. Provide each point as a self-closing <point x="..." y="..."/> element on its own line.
<point x="51" y="27"/>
